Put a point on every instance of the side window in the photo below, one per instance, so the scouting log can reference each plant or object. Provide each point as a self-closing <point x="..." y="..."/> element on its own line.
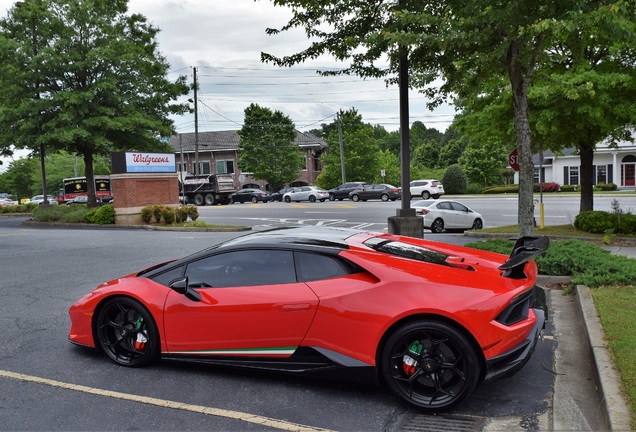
<point x="166" y="277"/>
<point x="243" y="268"/>
<point x="313" y="267"/>
<point x="459" y="207"/>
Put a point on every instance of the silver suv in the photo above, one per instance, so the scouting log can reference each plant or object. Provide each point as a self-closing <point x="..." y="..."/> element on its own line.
<point x="426" y="189"/>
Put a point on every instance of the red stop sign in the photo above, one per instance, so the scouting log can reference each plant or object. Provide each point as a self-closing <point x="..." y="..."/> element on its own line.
<point x="513" y="160"/>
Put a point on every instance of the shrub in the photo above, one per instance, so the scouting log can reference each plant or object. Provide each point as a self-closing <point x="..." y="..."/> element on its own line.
<point x="474" y="189"/>
<point x="168" y="215"/>
<point x="182" y="214"/>
<point x="104" y="215"/>
<point x="568" y="188"/>
<point x="454" y="180"/>
<point x="547" y="187"/>
<point x="193" y="212"/>
<point x="502" y="189"/>
<point x="146" y="214"/>
<point x="605" y="186"/>
<point x="156" y="211"/>
<point x="586" y="262"/>
<point x="595" y="221"/>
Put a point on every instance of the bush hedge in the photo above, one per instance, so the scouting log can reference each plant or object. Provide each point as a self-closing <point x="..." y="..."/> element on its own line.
<point x="587" y="263"/>
<point x="600" y="222"/>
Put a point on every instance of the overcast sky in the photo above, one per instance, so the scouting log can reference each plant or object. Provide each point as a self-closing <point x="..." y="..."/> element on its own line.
<point x="223" y="39"/>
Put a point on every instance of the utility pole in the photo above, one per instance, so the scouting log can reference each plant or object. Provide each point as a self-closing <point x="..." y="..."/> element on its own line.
<point x="342" y="159"/>
<point x="196" y="125"/>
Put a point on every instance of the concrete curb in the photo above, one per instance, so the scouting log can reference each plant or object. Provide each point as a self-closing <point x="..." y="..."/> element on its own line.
<point x="614" y="404"/>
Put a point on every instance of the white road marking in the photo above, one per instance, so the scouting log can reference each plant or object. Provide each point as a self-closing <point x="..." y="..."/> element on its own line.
<point x="236" y="415"/>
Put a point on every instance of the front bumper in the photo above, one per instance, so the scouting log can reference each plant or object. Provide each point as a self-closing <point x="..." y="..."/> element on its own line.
<point x="510" y="362"/>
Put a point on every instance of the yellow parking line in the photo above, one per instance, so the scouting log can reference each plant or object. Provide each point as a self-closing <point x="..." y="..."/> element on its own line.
<point x="236" y="415"/>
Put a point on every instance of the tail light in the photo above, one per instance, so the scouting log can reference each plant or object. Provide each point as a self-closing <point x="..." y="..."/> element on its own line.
<point x="422" y="211"/>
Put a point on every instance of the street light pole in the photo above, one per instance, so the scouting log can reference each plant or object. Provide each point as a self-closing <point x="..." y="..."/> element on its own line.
<point x="196" y="125"/>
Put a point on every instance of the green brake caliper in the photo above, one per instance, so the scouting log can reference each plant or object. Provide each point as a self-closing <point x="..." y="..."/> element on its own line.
<point x="140" y="342"/>
<point x="408" y="362"/>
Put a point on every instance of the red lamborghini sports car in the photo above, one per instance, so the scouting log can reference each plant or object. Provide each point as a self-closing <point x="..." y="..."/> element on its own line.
<point x="426" y="319"/>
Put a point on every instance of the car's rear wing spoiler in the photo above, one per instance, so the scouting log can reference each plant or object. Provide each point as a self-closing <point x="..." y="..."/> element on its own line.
<point x="524" y="250"/>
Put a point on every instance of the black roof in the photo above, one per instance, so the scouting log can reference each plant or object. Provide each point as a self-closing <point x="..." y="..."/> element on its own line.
<point x="322" y="237"/>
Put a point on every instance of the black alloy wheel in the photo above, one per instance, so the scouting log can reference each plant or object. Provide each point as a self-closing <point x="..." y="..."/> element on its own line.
<point x="287" y="199"/>
<point x="126" y="332"/>
<point x="430" y="364"/>
<point x="478" y="224"/>
<point x="437" y="226"/>
<point x="312" y="198"/>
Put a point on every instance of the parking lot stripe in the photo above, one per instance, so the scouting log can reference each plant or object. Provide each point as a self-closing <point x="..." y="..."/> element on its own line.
<point x="236" y="415"/>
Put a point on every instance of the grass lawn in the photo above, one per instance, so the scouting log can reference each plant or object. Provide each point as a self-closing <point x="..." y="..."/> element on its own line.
<point x="616" y="307"/>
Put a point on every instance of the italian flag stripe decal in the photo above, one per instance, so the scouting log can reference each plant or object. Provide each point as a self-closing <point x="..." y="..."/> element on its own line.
<point x="243" y="351"/>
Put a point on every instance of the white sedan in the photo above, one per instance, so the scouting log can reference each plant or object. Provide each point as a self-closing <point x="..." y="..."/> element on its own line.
<point x="306" y="193"/>
<point x="440" y="215"/>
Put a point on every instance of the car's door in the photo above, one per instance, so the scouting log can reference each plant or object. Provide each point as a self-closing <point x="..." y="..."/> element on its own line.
<point x="445" y="211"/>
<point x="463" y="215"/>
<point x="251" y="303"/>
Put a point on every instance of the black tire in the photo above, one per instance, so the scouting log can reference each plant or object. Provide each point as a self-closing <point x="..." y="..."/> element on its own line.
<point x="430" y="365"/>
<point x="210" y="199"/>
<point x="198" y="199"/>
<point x="255" y="200"/>
<point x="425" y="195"/>
<point x="322" y="200"/>
<point x="287" y="199"/>
<point x="355" y="198"/>
<point x="437" y="226"/>
<point x="332" y="197"/>
<point x="121" y="326"/>
<point x="312" y="198"/>
<point x="384" y="197"/>
<point x="478" y="224"/>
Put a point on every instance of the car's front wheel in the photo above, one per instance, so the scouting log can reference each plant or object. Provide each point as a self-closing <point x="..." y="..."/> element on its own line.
<point x="437" y="226"/>
<point x="355" y="198"/>
<point x="332" y="197"/>
<point x="478" y="224"/>
<point x="126" y="332"/>
<point x="287" y="199"/>
<point x="430" y="364"/>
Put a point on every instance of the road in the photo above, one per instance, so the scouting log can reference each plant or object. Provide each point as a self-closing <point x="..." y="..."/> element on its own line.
<point x="63" y="387"/>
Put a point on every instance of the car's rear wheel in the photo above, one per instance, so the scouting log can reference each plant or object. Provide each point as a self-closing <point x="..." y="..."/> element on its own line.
<point x="312" y="198"/>
<point x="437" y="226"/>
<point x="430" y="364"/>
<point x="198" y="199"/>
<point x="287" y="199"/>
<point x="478" y="224"/>
<point x="426" y="195"/>
<point x="126" y="332"/>
<point x="355" y="198"/>
<point x="384" y="197"/>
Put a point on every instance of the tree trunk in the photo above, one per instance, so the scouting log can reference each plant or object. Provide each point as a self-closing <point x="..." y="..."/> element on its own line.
<point x="524" y="142"/>
<point x="90" y="178"/>
<point x="586" y="175"/>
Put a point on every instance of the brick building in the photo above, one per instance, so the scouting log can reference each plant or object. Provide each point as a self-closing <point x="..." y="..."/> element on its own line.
<point x="218" y="154"/>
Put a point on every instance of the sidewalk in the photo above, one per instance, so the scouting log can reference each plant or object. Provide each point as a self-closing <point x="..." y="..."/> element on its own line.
<point x="584" y="338"/>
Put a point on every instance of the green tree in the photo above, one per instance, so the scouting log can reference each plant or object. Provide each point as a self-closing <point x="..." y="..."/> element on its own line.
<point x="470" y="44"/>
<point x="85" y="77"/>
<point x="268" y="148"/>
<point x="482" y="163"/>
<point x="18" y="178"/>
<point x="361" y="152"/>
<point x="454" y="180"/>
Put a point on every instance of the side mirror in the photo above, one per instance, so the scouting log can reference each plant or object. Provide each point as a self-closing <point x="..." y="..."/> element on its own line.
<point x="181" y="286"/>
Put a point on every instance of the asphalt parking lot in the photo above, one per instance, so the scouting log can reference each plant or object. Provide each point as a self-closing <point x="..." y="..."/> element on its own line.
<point x="46" y="269"/>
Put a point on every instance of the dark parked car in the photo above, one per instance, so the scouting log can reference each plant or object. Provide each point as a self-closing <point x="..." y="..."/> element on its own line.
<point x="278" y="196"/>
<point x="250" y="195"/>
<point x="381" y="191"/>
<point x="341" y="192"/>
